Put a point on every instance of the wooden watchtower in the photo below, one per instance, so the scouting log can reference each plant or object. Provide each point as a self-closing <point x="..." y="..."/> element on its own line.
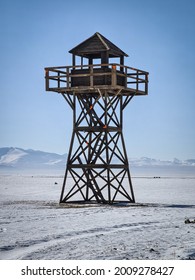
<point x="97" y="166"/>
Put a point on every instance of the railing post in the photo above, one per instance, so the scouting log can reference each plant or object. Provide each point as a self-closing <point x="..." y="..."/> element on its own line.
<point x="126" y="77"/>
<point x="137" y="83"/>
<point x="91" y="75"/>
<point x="113" y="75"/>
<point x="58" y="79"/>
<point x="67" y="77"/>
<point x="146" y="83"/>
<point x="47" y="79"/>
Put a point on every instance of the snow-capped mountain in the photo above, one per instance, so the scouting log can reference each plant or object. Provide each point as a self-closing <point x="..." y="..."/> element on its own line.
<point x="20" y="158"/>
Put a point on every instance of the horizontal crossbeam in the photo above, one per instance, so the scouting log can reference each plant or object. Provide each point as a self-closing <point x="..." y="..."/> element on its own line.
<point x="91" y="165"/>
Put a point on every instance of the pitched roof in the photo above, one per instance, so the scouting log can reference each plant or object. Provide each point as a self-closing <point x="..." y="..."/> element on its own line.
<point x="95" y="45"/>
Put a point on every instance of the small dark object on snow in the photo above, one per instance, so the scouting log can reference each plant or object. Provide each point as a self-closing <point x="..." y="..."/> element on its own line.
<point x="152" y="250"/>
<point x="187" y="221"/>
<point x="56" y="183"/>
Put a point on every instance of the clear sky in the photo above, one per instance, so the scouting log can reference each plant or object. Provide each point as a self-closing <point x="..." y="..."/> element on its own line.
<point x="159" y="37"/>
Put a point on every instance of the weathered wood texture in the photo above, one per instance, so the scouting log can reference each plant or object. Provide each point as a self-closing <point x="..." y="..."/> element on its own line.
<point x="105" y="79"/>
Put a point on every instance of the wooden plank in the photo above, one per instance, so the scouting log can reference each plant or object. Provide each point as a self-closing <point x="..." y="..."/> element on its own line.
<point x="113" y="77"/>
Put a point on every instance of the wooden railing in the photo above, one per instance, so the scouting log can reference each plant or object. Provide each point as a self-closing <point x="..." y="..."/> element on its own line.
<point x="81" y="76"/>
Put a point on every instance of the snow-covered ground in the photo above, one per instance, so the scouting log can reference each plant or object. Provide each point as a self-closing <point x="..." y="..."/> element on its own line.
<point x="34" y="226"/>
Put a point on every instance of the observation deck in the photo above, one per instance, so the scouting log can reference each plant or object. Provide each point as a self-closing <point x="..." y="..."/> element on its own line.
<point x="114" y="78"/>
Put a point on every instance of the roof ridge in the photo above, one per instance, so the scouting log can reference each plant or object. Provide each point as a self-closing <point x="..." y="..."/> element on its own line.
<point x="102" y="40"/>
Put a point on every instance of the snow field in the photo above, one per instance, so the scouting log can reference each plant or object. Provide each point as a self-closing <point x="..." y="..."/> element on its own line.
<point x="34" y="226"/>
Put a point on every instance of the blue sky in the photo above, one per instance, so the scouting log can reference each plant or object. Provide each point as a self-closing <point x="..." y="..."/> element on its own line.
<point x="157" y="35"/>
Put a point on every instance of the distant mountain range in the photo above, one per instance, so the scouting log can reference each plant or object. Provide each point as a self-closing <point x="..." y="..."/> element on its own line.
<point x="145" y="161"/>
<point x="30" y="159"/>
<point x="18" y="158"/>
